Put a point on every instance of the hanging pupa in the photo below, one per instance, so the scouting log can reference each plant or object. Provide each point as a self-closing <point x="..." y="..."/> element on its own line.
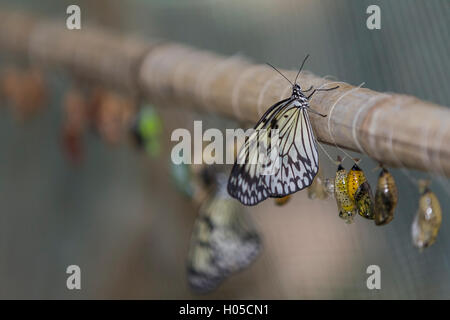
<point x="74" y="125"/>
<point x="318" y="190"/>
<point x="346" y="206"/>
<point x="427" y="221"/>
<point x="386" y="198"/>
<point x="329" y="186"/>
<point x="25" y="91"/>
<point x="355" y="178"/>
<point x="224" y="240"/>
<point x="113" y="115"/>
<point x="283" y="200"/>
<point x="147" y="129"/>
<point x="360" y="192"/>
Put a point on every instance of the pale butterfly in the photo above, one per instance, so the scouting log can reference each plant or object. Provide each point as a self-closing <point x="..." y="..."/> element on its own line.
<point x="224" y="240"/>
<point x="290" y="162"/>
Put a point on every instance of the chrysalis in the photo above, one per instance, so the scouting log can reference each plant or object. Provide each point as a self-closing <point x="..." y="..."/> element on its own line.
<point x="113" y="116"/>
<point x="223" y="241"/>
<point x="346" y="206"/>
<point x="428" y="219"/>
<point x="386" y="198"/>
<point x="146" y="130"/>
<point x="282" y="201"/>
<point x="364" y="201"/>
<point x="329" y="186"/>
<point x="360" y="192"/>
<point x="74" y="125"/>
<point x="25" y="91"/>
<point x="318" y="189"/>
<point x="355" y="178"/>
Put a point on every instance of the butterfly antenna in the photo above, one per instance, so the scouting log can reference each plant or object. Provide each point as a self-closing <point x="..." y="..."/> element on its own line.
<point x="301" y="67"/>
<point x="280" y="73"/>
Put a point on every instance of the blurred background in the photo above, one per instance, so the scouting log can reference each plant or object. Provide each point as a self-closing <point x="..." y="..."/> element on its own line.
<point x="121" y="219"/>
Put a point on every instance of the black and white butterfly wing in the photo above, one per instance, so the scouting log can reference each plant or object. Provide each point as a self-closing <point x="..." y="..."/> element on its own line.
<point x="224" y="241"/>
<point x="298" y="157"/>
<point x="291" y="159"/>
<point x="244" y="183"/>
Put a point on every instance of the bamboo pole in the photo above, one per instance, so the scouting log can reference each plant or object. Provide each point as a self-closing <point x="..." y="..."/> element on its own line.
<point x="398" y="130"/>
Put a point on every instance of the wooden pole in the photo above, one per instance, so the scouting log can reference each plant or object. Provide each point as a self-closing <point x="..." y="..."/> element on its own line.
<point x="397" y="130"/>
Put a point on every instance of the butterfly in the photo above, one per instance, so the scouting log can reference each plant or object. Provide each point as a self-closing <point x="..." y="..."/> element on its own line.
<point x="224" y="241"/>
<point x="284" y="139"/>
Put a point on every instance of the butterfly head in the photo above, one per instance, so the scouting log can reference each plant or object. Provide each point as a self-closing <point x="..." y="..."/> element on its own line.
<point x="297" y="91"/>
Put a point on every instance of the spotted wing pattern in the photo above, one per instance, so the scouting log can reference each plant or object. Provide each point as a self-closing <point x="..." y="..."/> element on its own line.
<point x="224" y="241"/>
<point x="289" y="159"/>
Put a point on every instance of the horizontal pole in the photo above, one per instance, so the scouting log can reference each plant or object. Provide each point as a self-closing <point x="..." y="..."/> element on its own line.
<point x="397" y="130"/>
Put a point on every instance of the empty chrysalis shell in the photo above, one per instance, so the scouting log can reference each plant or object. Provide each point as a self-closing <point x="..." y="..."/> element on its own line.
<point x="329" y="186"/>
<point x="283" y="200"/>
<point x="386" y="198"/>
<point x="360" y="192"/>
<point x="346" y="206"/>
<point x="318" y="189"/>
<point x="428" y="219"/>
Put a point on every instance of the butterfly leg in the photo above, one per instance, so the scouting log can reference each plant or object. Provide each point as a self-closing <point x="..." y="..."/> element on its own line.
<point x="310" y="88"/>
<point x="316" y="90"/>
<point x="316" y="112"/>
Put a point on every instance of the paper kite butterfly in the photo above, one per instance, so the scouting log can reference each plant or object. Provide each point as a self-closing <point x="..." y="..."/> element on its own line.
<point x="290" y="161"/>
